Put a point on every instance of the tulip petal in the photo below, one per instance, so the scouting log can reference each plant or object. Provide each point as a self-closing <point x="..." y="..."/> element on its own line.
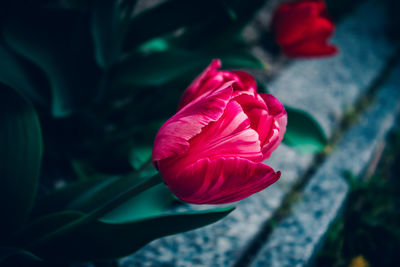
<point x="230" y="136"/>
<point x="291" y="21"/>
<point x="195" y="88"/>
<point x="277" y="111"/>
<point x="314" y="40"/>
<point x="267" y="117"/>
<point x="218" y="79"/>
<point x="173" y="137"/>
<point x="257" y="112"/>
<point x="212" y="78"/>
<point x="321" y="29"/>
<point x="222" y="180"/>
<point x="275" y="107"/>
<point x="244" y="83"/>
<point x="303" y="28"/>
<point x="310" y="48"/>
<point x="322" y="8"/>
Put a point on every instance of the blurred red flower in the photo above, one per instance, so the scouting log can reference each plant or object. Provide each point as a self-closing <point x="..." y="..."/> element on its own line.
<point x="303" y="28"/>
<point x="211" y="150"/>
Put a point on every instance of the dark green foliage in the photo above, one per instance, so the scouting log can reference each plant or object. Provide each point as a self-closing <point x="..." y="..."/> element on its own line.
<point x="110" y="21"/>
<point x="55" y="41"/>
<point x="174" y="14"/>
<point x="114" y="225"/>
<point x="224" y="29"/>
<point x="160" y="68"/>
<point x="340" y="8"/>
<point x="106" y="30"/>
<point x="20" y="158"/>
<point x="101" y="240"/>
<point x="102" y="81"/>
<point x="18" y="257"/>
<point x="15" y="73"/>
<point x="60" y="199"/>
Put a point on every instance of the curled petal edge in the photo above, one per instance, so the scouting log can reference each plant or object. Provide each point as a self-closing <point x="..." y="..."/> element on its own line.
<point x="221" y="180"/>
<point x="173" y="137"/>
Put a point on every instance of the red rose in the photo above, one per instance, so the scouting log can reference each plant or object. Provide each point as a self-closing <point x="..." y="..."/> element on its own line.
<point x="303" y="28"/>
<point x="211" y="150"/>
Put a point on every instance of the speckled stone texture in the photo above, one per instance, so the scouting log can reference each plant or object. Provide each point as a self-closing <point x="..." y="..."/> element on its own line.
<point x="296" y="238"/>
<point x="325" y="87"/>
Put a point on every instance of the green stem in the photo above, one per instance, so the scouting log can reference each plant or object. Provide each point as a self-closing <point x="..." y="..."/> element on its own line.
<point x="124" y="196"/>
<point x="101" y="211"/>
<point x="147" y="165"/>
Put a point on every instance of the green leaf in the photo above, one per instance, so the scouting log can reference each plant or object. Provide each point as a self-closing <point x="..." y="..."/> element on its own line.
<point x="139" y="156"/>
<point x="151" y="202"/>
<point x="154" y="45"/>
<point x="90" y="200"/>
<point x="60" y="199"/>
<point x="239" y="59"/>
<point x="97" y="240"/>
<point x="303" y="132"/>
<point x="167" y="17"/>
<point x="43" y="226"/>
<point x="14" y="74"/>
<point x="162" y="67"/>
<point x="82" y="5"/>
<point x="20" y="158"/>
<point x="156" y="69"/>
<point x="107" y="32"/>
<point x="10" y="256"/>
<point x="58" y="41"/>
<point x="262" y="87"/>
<point x="224" y="29"/>
<point x="244" y="12"/>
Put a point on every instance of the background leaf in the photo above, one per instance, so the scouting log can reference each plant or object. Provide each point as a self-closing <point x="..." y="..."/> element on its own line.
<point x="107" y="31"/>
<point x="14" y="74"/>
<point x="92" y="199"/>
<point x="140" y="155"/>
<point x="61" y="198"/>
<point x="159" y="68"/>
<point x="58" y="41"/>
<point x="303" y="132"/>
<point x="20" y="158"/>
<point x="18" y="257"/>
<point x="224" y="29"/>
<point x="173" y="14"/>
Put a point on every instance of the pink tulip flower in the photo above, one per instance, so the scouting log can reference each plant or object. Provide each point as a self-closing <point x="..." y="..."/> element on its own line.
<point x="211" y="150"/>
<point x="303" y="28"/>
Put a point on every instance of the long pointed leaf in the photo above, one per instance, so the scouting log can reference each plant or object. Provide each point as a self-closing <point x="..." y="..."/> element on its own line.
<point x="20" y="158"/>
<point x="10" y="256"/>
<point x="106" y="31"/>
<point x="14" y="74"/>
<point x="151" y="202"/>
<point x="57" y="41"/>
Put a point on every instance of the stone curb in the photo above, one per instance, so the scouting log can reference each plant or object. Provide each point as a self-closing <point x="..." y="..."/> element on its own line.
<point x="296" y="238"/>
